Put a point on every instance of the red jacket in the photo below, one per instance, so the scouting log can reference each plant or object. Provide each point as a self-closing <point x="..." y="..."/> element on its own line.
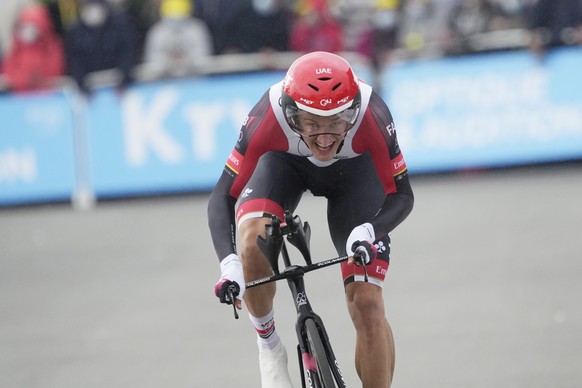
<point x="317" y="30"/>
<point x="34" y="65"/>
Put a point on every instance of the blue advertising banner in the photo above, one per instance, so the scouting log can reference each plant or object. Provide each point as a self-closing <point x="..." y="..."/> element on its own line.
<point x="174" y="136"/>
<point x="170" y="136"/>
<point x="488" y="110"/>
<point x="36" y="148"/>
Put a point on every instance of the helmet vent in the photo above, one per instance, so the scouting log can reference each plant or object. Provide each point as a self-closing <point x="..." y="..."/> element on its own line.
<point x="313" y="87"/>
<point x="336" y="86"/>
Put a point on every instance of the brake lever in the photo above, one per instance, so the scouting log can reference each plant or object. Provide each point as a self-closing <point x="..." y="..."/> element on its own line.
<point x="232" y="291"/>
<point x="365" y="273"/>
<point x="360" y="259"/>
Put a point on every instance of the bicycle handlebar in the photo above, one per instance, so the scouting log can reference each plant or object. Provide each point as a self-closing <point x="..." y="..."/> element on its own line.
<point x="272" y="245"/>
<point x="296" y="270"/>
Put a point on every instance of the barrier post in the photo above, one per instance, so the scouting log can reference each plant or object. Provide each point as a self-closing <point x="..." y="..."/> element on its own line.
<point x="83" y="195"/>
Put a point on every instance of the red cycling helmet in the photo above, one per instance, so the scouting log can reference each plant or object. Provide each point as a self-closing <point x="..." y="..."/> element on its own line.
<point x="323" y="84"/>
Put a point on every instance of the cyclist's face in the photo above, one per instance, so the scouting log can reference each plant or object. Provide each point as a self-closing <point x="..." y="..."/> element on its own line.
<point x="323" y="135"/>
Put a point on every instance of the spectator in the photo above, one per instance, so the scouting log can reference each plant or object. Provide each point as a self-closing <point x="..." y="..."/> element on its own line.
<point x="220" y="16"/>
<point x="132" y="9"/>
<point x="316" y="29"/>
<point x="148" y="11"/>
<point x="555" y="23"/>
<point x="100" y="40"/>
<point x="177" y="45"/>
<point x="511" y="14"/>
<point x="64" y="13"/>
<point x="492" y="25"/>
<point x="378" y="41"/>
<point x="9" y="10"/>
<point x="36" y="56"/>
<point x="2" y="81"/>
<point x="423" y="27"/>
<point x="261" y="26"/>
<point x="384" y="28"/>
<point x="469" y="18"/>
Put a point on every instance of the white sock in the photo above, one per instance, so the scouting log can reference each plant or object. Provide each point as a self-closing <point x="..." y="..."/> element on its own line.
<point x="267" y="337"/>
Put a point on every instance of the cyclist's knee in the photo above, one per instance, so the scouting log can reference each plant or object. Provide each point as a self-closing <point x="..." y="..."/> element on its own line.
<point x="365" y="304"/>
<point x="250" y="254"/>
<point x="255" y="266"/>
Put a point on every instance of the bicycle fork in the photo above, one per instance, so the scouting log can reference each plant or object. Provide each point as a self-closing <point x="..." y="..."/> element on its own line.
<point x="307" y="362"/>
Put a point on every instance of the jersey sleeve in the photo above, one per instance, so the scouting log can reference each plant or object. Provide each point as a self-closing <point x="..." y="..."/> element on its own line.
<point x="377" y="135"/>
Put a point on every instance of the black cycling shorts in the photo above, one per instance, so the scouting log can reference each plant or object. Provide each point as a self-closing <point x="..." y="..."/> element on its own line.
<point x="352" y="187"/>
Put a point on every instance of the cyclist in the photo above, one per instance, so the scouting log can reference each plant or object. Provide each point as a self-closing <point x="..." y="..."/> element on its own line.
<point x="320" y="129"/>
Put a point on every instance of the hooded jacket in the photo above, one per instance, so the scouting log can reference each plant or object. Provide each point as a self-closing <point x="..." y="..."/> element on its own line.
<point x="35" y="64"/>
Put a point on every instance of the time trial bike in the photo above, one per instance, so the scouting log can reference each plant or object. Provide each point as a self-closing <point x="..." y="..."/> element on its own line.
<point x="317" y="362"/>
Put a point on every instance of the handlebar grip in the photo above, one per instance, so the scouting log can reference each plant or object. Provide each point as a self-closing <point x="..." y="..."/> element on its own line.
<point x="359" y="257"/>
<point x="232" y="292"/>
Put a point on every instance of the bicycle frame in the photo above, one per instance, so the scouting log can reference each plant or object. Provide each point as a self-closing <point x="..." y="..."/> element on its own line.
<point x="273" y="246"/>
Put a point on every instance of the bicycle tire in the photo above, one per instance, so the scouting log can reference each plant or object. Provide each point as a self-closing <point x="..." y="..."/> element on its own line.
<point x="318" y="351"/>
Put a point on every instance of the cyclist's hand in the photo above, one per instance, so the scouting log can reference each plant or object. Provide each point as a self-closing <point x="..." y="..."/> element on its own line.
<point x="360" y="245"/>
<point x="231" y="281"/>
<point x="364" y="252"/>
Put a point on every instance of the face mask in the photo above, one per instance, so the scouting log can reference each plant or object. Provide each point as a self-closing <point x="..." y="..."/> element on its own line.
<point x="511" y="7"/>
<point x="94" y="15"/>
<point x="264" y="7"/>
<point x="28" y="33"/>
<point x="384" y="19"/>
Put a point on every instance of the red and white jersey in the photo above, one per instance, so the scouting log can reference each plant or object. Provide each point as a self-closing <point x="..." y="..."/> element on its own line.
<point x="265" y="129"/>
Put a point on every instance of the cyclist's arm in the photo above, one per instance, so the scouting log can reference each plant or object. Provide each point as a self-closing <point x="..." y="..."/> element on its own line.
<point x="397" y="206"/>
<point x="379" y="138"/>
<point x="221" y="219"/>
<point x="256" y="137"/>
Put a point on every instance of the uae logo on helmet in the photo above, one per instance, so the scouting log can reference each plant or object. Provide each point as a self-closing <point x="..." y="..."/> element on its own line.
<point x="323" y="70"/>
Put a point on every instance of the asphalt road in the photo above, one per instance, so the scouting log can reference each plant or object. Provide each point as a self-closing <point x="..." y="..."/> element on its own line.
<point x="484" y="290"/>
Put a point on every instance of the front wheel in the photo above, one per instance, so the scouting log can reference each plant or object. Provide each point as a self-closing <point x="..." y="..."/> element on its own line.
<point x="324" y="377"/>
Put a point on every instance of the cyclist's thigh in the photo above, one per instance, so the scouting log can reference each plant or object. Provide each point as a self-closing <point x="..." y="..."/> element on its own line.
<point x="357" y="197"/>
<point x="275" y="186"/>
<point x="360" y="198"/>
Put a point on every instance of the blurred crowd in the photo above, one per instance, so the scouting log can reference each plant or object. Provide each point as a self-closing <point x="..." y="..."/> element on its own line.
<point x="44" y="41"/>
